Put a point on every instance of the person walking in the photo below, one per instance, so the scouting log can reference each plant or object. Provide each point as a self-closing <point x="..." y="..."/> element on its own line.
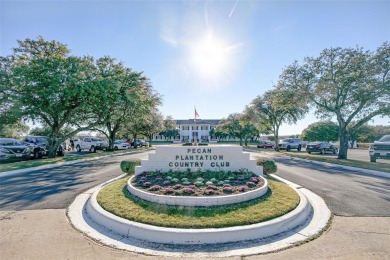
<point x="72" y="144"/>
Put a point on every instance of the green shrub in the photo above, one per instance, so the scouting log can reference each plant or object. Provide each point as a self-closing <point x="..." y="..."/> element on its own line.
<point x="187" y="144"/>
<point x="203" y="144"/>
<point x="269" y="166"/>
<point x="128" y="166"/>
<point x="220" y="183"/>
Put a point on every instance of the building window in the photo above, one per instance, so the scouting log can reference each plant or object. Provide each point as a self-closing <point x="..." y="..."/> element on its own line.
<point x="204" y="127"/>
<point x="195" y="127"/>
<point x="185" y="127"/>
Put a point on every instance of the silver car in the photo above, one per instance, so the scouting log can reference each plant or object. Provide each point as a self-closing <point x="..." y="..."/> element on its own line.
<point x="290" y="143"/>
<point x="12" y="149"/>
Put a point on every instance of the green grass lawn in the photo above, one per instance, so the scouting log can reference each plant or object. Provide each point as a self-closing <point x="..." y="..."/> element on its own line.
<point x="280" y="200"/>
<point x="348" y="162"/>
<point x="33" y="163"/>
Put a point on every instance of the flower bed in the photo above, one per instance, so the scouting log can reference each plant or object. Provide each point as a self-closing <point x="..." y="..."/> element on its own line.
<point x="197" y="183"/>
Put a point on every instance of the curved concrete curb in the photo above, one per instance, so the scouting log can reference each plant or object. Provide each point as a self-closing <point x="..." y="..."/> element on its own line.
<point x="317" y="220"/>
<point x="164" y="235"/>
<point x="189" y="201"/>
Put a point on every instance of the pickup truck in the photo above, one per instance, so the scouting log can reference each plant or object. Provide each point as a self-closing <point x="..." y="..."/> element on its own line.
<point x="89" y="143"/>
<point x="380" y="149"/>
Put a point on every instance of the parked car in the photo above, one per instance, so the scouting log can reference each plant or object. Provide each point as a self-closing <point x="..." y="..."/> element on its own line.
<point x="39" y="146"/>
<point x="266" y="144"/>
<point x="129" y="141"/>
<point x="90" y="143"/>
<point x="380" y="149"/>
<point x="140" y="142"/>
<point x="11" y="149"/>
<point x="290" y="143"/>
<point x="321" y="147"/>
<point x="121" y="145"/>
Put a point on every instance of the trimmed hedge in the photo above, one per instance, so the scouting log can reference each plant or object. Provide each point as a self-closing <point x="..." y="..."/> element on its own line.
<point x="269" y="166"/>
<point x="191" y="144"/>
<point x="128" y="166"/>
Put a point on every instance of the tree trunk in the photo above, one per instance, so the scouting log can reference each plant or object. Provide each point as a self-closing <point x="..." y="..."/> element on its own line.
<point x="343" y="151"/>
<point x="276" y="135"/>
<point x="111" y="140"/>
<point x="240" y="141"/>
<point x="135" y="138"/>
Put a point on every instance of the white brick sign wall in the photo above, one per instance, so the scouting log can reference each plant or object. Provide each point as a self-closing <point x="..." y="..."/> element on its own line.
<point x="215" y="158"/>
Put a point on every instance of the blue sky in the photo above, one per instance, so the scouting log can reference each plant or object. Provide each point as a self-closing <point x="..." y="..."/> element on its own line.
<point x="215" y="55"/>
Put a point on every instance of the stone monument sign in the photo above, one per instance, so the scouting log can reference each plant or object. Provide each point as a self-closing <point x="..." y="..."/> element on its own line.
<point x="195" y="158"/>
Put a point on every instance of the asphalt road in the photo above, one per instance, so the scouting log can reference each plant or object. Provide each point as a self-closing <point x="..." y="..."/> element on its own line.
<point x="347" y="193"/>
<point x="56" y="188"/>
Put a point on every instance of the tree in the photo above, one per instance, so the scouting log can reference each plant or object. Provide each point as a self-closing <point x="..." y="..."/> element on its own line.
<point x="250" y="129"/>
<point x="170" y="127"/>
<point x="231" y="126"/>
<point x="350" y="84"/>
<point x="321" y="131"/>
<point x="153" y="123"/>
<point x="122" y="91"/>
<point x="145" y="105"/>
<point x="16" y="130"/>
<point x="278" y="106"/>
<point x="48" y="86"/>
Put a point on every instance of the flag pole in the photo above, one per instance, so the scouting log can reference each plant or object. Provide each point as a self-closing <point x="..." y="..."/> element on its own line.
<point x="196" y="133"/>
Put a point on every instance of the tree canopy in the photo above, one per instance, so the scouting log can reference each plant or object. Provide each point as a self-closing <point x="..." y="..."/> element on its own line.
<point x="350" y="84"/>
<point x="42" y="82"/>
<point x="321" y="131"/>
<point x="278" y="106"/>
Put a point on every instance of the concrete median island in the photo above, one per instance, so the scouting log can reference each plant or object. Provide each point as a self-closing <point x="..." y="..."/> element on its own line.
<point x="277" y="217"/>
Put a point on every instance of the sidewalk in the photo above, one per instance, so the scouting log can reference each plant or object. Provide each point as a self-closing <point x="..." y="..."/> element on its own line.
<point x="46" y="234"/>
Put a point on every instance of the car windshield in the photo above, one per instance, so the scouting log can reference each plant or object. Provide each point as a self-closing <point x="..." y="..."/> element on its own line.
<point x="42" y="139"/>
<point x="96" y="140"/>
<point x="286" y="140"/>
<point x="385" y="138"/>
<point x="9" y="142"/>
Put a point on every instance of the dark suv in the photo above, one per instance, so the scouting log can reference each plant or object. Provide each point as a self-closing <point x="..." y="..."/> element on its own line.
<point x="290" y="143"/>
<point x="39" y="146"/>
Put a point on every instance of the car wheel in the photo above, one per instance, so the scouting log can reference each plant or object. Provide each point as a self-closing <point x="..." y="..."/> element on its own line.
<point x="93" y="149"/>
<point x="322" y="151"/>
<point x="78" y="148"/>
<point x="309" y="152"/>
<point x="116" y="148"/>
<point x="372" y="159"/>
<point x="61" y="153"/>
<point x="37" y="155"/>
<point x="288" y="148"/>
<point x="299" y="148"/>
<point x="335" y="151"/>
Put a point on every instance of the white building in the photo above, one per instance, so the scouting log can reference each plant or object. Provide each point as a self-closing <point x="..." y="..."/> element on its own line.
<point x="191" y="129"/>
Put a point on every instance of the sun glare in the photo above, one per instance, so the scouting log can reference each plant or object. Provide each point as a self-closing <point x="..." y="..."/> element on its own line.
<point x="210" y="56"/>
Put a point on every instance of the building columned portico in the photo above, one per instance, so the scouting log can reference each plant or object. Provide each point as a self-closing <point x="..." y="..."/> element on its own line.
<point x="189" y="130"/>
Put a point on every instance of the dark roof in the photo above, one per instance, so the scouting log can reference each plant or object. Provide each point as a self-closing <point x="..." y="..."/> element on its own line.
<point x="198" y="121"/>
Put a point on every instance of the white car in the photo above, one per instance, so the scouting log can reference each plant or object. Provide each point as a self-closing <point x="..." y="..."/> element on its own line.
<point x="380" y="149"/>
<point x="121" y="145"/>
